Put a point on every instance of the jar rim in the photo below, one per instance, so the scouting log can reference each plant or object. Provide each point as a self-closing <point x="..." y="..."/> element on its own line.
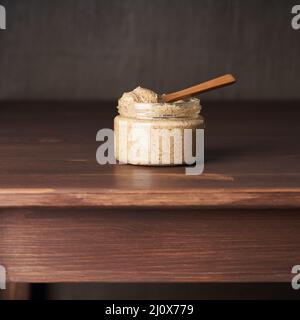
<point x="182" y="109"/>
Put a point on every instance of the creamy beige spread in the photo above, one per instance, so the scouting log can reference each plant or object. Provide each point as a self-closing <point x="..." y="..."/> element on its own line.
<point x="138" y="95"/>
<point x="142" y="102"/>
<point x="151" y="132"/>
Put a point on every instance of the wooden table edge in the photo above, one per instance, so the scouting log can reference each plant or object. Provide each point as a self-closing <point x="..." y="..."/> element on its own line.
<point x="247" y="198"/>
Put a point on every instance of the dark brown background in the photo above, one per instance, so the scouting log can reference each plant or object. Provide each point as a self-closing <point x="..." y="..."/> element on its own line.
<point x="96" y="49"/>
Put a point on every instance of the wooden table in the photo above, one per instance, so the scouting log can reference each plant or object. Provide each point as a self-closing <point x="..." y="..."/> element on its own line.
<point x="65" y="218"/>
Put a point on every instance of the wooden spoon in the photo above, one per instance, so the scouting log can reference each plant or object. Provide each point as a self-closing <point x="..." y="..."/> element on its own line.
<point x="199" y="88"/>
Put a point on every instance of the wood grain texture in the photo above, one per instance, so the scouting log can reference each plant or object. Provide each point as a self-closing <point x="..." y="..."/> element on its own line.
<point x="213" y="198"/>
<point x="97" y="49"/>
<point x="48" y="159"/>
<point x="46" y="245"/>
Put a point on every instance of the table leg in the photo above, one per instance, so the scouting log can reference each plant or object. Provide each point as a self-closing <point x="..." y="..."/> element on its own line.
<point x="16" y="291"/>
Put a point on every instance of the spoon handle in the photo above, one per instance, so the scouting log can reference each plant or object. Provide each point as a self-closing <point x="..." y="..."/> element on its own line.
<point x="199" y="88"/>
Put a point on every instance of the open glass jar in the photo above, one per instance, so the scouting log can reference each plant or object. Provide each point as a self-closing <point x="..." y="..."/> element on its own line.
<point x="157" y="134"/>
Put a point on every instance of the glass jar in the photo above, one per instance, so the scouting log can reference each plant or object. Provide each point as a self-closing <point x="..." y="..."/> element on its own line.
<point x="157" y="134"/>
